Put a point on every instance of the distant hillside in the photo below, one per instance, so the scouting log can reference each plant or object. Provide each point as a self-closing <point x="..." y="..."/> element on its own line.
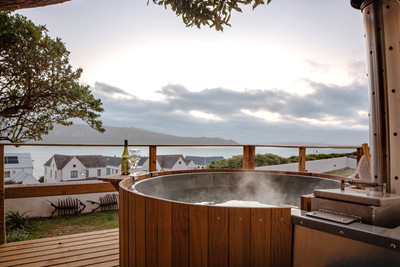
<point x="83" y="134"/>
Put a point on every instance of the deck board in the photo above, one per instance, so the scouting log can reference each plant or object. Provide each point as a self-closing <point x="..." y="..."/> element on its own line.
<point x="99" y="248"/>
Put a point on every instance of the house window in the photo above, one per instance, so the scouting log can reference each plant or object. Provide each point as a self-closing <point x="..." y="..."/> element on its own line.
<point x="74" y="174"/>
<point x="74" y="166"/>
<point x="108" y="171"/>
<point x="180" y="162"/>
<point x="7" y="174"/>
<point x="87" y="173"/>
<point x="98" y="172"/>
<point x="116" y="171"/>
<point x="112" y="171"/>
<point x="55" y="174"/>
<point x="11" y="160"/>
<point x="51" y="173"/>
<point x="45" y="170"/>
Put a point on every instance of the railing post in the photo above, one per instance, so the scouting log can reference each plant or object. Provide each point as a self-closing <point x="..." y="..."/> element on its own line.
<point x="152" y="158"/>
<point x="2" y="199"/>
<point x="360" y="152"/>
<point x="249" y="157"/>
<point x="302" y="159"/>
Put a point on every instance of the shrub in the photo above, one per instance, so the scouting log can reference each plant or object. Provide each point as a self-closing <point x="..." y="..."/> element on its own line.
<point x="12" y="182"/>
<point x="236" y="162"/>
<point x="16" y="221"/>
<point x="16" y="235"/>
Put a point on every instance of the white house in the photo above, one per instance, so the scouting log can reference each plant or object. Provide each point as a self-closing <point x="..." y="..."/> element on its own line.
<point x="168" y="163"/>
<point x="113" y="164"/>
<point x="202" y="162"/>
<point x="14" y="163"/>
<point x="72" y="168"/>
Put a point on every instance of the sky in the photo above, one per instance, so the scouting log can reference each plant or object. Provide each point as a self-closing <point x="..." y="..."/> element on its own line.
<point x="288" y="72"/>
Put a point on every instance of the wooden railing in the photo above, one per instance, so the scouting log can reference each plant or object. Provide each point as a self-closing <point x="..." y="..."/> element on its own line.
<point x="249" y="152"/>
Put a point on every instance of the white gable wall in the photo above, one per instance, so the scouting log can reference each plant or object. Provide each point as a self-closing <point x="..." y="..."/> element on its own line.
<point x="179" y="165"/>
<point x="73" y="165"/>
<point x="51" y="172"/>
<point x="145" y="166"/>
<point x="192" y="165"/>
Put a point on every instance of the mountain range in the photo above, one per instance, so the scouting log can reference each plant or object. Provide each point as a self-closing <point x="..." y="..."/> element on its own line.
<point x="83" y="134"/>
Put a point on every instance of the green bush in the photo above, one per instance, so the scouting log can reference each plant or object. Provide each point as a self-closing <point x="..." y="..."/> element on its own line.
<point x="16" y="221"/>
<point x="16" y="235"/>
<point x="236" y="162"/>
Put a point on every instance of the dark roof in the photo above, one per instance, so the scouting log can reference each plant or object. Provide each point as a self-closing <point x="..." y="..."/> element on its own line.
<point x="60" y="160"/>
<point x="165" y="161"/>
<point x="203" y="160"/>
<point x="142" y="161"/>
<point x="169" y="161"/>
<point x="112" y="161"/>
<point x="91" y="161"/>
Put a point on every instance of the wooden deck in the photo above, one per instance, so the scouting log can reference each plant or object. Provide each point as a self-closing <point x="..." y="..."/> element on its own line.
<point x="99" y="248"/>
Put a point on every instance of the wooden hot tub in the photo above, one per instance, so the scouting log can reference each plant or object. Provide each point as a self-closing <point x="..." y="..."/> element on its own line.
<point x="158" y="230"/>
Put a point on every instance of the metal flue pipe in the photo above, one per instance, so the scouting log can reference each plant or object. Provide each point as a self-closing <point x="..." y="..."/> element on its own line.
<point x="382" y="37"/>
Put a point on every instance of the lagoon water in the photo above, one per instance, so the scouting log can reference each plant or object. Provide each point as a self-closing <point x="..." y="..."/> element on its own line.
<point x="41" y="154"/>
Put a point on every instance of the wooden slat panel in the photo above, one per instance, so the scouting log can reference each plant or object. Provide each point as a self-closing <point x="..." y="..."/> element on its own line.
<point x="93" y="258"/>
<point x="34" y="251"/>
<point x="198" y="235"/>
<point x="106" y="264"/>
<point x="151" y="232"/>
<point x="111" y="263"/>
<point x="132" y="232"/>
<point x="60" y="256"/>
<point x="164" y="233"/>
<point x="281" y="237"/>
<point x="43" y="190"/>
<point x="111" y="234"/>
<point x="306" y="202"/>
<point x="74" y="250"/>
<point x="180" y="235"/>
<point x="239" y="237"/>
<point x="121" y="226"/>
<point x="140" y="220"/>
<point x="260" y="236"/>
<point x="124" y="228"/>
<point x="218" y="241"/>
<point x="2" y="199"/>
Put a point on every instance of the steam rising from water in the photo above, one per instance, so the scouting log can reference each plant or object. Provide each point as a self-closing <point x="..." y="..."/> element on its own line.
<point x="235" y="189"/>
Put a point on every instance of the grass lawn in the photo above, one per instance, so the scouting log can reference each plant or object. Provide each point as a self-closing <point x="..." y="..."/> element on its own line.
<point x="73" y="224"/>
<point x="345" y="172"/>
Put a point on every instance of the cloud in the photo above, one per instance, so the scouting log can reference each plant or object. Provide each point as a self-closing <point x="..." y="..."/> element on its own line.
<point x="111" y="91"/>
<point x="330" y="114"/>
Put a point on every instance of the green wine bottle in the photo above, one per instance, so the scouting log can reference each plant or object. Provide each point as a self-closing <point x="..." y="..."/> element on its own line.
<point x="125" y="160"/>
